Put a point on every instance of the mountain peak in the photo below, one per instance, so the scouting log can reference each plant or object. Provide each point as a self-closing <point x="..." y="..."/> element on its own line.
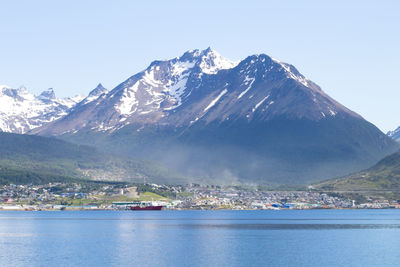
<point x="95" y="93"/>
<point x="98" y="90"/>
<point x="208" y="50"/>
<point x="198" y="53"/>
<point x="47" y="94"/>
<point x="22" y="89"/>
<point x="212" y="62"/>
<point x="269" y="63"/>
<point x="19" y="93"/>
<point x="209" y="60"/>
<point x="2" y="86"/>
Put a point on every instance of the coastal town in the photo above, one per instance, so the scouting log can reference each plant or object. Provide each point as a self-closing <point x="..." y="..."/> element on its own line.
<point x="119" y="196"/>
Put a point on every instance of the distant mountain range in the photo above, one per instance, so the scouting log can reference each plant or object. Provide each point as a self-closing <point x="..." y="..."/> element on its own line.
<point x="258" y="120"/>
<point x="21" y="111"/>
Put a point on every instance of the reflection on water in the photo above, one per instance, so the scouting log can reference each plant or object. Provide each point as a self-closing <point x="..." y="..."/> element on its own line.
<point x="289" y="226"/>
<point x="201" y="238"/>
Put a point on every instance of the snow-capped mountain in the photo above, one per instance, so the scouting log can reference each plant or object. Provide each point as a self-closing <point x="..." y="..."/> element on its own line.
<point x="21" y="111"/>
<point x="395" y="134"/>
<point x="206" y="116"/>
<point x="203" y="86"/>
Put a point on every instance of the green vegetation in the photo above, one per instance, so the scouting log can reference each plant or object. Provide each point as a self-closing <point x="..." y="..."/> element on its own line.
<point x="143" y="188"/>
<point x="18" y="176"/>
<point x="383" y="179"/>
<point x="282" y="151"/>
<point x="185" y="194"/>
<point x="148" y="196"/>
<point x="35" y="159"/>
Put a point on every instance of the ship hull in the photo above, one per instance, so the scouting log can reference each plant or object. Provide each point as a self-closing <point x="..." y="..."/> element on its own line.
<point x="146" y="208"/>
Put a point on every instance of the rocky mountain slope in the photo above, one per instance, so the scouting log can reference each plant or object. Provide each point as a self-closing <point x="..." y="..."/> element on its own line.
<point x="258" y="120"/>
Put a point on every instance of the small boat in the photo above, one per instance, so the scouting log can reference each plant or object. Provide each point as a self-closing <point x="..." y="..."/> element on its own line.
<point x="143" y="205"/>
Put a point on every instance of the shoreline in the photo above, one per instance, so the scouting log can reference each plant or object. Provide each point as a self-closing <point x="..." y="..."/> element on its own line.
<point x="105" y="209"/>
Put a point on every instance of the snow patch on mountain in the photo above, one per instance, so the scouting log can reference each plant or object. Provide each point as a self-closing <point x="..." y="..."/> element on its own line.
<point x="181" y="72"/>
<point x="212" y="62"/>
<point x="166" y="81"/>
<point x="214" y="101"/>
<point x="259" y="103"/>
<point x="395" y="134"/>
<point x="332" y="112"/>
<point x="247" y="81"/>
<point x="292" y="74"/>
<point x="128" y="102"/>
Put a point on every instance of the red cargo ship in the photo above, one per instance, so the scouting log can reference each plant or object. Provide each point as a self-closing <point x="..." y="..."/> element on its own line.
<point x="145" y="206"/>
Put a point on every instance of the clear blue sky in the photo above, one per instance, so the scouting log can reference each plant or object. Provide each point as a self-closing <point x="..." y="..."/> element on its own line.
<point x="350" y="48"/>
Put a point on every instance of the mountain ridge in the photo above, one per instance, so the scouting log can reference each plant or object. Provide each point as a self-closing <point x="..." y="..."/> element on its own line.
<point x="258" y="120"/>
<point x="162" y="89"/>
<point x="21" y="111"/>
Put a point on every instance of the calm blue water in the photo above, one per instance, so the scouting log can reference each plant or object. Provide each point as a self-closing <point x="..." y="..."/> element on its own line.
<point x="201" y="238"/>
